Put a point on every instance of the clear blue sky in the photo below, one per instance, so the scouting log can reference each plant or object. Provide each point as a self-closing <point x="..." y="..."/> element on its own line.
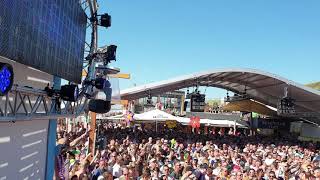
<point x="161" y="39"/>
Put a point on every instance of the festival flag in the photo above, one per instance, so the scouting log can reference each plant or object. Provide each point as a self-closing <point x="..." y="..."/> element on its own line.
<point x="195" y="122"/>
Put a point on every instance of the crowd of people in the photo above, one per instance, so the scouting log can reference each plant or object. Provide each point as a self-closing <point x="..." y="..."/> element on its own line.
<point x="127" y="153"/>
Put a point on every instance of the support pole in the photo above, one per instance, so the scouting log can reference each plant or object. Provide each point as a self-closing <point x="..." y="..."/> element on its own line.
<point x="234" y="127"/>
<point x="92" y="134"/>
<point x="51" y="139"/>
<point x="182" y="105"/>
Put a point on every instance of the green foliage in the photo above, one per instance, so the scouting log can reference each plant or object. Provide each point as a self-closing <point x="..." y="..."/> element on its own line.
<point x="315" y="85"/>
<point x="213" y="103"/>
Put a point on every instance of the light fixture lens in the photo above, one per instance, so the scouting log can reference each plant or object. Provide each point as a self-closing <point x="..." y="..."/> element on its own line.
<point x="69" y="92"/>
<point x="6" y="78"/>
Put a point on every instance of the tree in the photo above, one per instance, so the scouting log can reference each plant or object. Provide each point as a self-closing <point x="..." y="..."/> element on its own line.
<point x="213" y="103"/>
<point x="315" y="85"/>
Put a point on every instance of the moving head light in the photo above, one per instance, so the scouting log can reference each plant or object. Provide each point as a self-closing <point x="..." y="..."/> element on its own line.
<point x="101" y="100"/>
<point x="105" y="54"/>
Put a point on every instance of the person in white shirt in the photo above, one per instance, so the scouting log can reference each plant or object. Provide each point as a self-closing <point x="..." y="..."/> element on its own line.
<point x="116" y="169"/>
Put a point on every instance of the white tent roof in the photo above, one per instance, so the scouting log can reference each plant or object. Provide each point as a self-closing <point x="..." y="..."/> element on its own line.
<point x="221" y="123"/>
<point x="155" y="115"/>
<point x="210" y="122"/>
<point x="116" y="117"/>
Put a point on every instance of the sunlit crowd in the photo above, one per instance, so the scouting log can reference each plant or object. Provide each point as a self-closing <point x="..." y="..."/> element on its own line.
<point x="133" y="153"/>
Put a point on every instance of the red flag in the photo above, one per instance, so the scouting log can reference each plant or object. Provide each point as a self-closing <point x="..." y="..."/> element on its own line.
<point x="195" y="122"/>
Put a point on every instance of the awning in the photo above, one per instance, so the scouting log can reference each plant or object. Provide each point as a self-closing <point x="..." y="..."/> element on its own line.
<point x="116" y="117"/>
<point x="154" y="115"/>
<point x="249" y="106"/>
<point x="215" y="123"/>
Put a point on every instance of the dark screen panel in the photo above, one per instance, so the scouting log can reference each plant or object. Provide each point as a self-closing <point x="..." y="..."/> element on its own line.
<point x="48" y="35"/>
<point x="198" y="102"/>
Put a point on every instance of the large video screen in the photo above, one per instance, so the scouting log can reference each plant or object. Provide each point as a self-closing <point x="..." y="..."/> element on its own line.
<point x="48" y="35"/>
<point x="198" y="102"/>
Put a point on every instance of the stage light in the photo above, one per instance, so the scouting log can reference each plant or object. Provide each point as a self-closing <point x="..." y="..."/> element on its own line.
<point x="105" y="20"/>
<point x="100" y="83"/>
<point x="101" y="101"/>
<point x="69" y="92"/>
<point x="110" y="55"/>
<point x="6" y="78"/>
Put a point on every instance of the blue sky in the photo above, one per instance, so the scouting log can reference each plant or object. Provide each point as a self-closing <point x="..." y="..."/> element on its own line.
<point x="161" y="39"/>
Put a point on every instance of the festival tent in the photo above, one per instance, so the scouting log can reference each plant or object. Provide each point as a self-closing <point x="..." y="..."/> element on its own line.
<point x="116" y="117"/>
<point x="155" y="115"/>
<point x="215" y="123"/>
<point x="223" y="123"/>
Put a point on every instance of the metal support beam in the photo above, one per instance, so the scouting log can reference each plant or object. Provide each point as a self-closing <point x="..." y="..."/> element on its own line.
<point x="23" y="103"/>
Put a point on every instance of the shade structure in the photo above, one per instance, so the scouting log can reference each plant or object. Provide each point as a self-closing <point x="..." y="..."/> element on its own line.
<point x="215" y="123"/>
<point x="224" y="123"/>
<point x="154" y="115"/>
<point x="261" y="86"/>
<point x="116" y="117"/>
<point x="249" y="105"/>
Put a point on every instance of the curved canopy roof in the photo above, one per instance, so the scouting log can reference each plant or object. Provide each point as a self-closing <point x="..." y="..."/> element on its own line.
<point x="264" y="87"/>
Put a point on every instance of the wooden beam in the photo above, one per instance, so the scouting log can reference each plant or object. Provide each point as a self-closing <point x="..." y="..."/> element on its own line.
<point x="84" y="73"/>
<point x="121" y="76"/>
<point x="92" y="134"/>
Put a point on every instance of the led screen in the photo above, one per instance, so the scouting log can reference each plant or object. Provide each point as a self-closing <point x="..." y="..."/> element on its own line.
<point x="48" y="35"/>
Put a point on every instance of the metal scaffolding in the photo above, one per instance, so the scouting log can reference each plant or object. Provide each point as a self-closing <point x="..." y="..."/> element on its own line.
<point x="23" y="103"/>
<point x="27" y="103"/>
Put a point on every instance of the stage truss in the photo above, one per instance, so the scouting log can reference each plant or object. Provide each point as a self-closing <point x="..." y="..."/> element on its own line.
<point x="27" y="103"/>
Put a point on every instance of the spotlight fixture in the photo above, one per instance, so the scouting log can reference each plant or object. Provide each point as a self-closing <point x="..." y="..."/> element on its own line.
<point x="110" y="55"/>
<point x="105" y="20"/>
<point x="69" y="92"/>
<point x="6" y="78"/>
<point x="105" y="54"/>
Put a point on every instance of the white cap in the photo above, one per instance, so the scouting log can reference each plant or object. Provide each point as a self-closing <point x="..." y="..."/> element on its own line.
<point x="100" y="178"/>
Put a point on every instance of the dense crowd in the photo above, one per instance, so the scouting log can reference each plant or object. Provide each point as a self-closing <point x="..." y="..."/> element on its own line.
<point x="126" y="153"/>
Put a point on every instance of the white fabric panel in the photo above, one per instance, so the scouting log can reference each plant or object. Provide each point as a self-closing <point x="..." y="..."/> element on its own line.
<point x="23" y="147"/>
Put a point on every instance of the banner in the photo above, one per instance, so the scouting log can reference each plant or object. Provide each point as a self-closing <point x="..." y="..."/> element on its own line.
<point x="273" y="124"/>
